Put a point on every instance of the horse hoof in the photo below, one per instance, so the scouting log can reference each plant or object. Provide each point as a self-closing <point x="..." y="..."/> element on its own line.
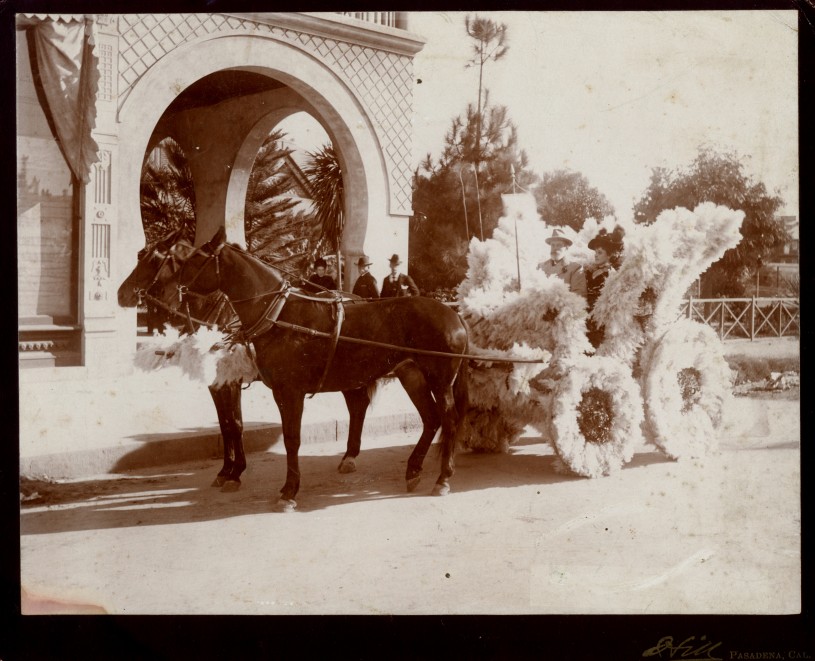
<point x="347" y="465"/>
<point x="413" y="482"/>
<point x="441" y="489"/>
<point x="231" y="486"/>
<point x="218" y="481"/>
<point x="285" y="506"/>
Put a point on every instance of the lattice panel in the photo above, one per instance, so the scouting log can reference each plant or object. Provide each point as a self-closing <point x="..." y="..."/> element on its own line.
<point x="383" y="81"/>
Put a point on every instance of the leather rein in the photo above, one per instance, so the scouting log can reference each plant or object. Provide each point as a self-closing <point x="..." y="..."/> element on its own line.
<point x="277" y="300"/>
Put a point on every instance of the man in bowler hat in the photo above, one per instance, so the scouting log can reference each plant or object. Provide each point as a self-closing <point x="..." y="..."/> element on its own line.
<point x="398" y="284"/>
<point x="365" y="286"/>
<point x="570" y="272"/>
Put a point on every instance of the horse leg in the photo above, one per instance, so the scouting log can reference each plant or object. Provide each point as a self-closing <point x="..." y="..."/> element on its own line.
<point x="357" y="401"/>
<point x="415" y="384"/>
<point x="449" y="423"/>
<point x="228" y="404"/>
<point x="291" y="413"/>
<point x="217" y="399"/>
<point x="453" y="400"/>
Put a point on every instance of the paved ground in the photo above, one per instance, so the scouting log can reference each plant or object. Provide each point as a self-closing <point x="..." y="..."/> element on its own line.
<point x="515" y="536"/>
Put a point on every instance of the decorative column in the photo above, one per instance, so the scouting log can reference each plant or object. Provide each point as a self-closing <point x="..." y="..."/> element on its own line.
<point x="99" y="312"/>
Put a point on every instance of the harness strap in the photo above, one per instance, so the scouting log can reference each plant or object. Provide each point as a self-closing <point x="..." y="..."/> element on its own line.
<point x="269" y="318"/>
<point x="423" y="352"/>
<point x="186" y="316"/>
<point x="335" y="336"/>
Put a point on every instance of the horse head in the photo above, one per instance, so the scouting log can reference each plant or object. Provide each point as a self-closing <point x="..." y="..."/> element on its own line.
<point x="197" y="270"/>
<point x="156" y="263"/>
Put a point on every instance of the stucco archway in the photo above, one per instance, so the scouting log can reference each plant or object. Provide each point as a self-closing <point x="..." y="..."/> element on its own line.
<point x="324" y="95"/>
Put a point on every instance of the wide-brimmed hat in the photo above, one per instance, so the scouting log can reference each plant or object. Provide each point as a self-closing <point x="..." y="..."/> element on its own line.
<point x="364" y="261"/>
<point x="611" y="243"/>
<point x="559" y="235"/>
<point x="605" y="242"/>
<point x="394" y="260"/>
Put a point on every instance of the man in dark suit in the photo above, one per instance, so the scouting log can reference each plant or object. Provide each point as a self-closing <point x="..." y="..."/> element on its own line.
<point x="398" y="284"/>
<point x="365" y="286"/>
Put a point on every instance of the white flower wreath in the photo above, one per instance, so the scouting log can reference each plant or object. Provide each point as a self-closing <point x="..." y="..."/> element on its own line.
<point x="686" y="384"/>
<point x="588" y="449"/>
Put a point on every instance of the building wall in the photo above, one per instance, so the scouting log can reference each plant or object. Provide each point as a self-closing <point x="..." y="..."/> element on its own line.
<point x="356" y="79"/>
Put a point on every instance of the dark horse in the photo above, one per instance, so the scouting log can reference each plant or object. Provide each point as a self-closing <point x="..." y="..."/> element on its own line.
<point x="156" y="263"/>
<point x="305" y="345"/>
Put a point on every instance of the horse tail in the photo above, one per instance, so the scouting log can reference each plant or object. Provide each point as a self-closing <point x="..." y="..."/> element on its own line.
<point x="461" y="390"/>
<point x="373" y="390"/>
<point x="461" y="386"/>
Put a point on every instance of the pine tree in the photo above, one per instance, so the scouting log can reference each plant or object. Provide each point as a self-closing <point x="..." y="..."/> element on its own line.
<point x="446" y="201"/>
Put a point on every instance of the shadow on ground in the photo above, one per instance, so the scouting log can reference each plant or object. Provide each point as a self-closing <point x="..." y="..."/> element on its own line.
<point x="182" y="493"/>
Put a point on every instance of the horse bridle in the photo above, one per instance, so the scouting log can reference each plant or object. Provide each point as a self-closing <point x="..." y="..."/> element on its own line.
<point x="269" y="316"/>
<point x="143" y="294"/>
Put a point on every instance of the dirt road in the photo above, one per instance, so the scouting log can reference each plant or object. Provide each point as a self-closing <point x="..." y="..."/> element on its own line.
<point x="515" y="536"/>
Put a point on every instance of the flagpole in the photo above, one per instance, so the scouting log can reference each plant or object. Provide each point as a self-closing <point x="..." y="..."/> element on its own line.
<point x="517" y="250"/>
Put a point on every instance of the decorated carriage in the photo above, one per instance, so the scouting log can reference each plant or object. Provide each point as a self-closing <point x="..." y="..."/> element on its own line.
<point x="655" y="377"/>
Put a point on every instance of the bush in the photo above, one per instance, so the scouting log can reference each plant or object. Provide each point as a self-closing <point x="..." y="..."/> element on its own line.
<point x="750" y="369"/>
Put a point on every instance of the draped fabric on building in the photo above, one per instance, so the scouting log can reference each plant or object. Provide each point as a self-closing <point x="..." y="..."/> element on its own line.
<point x="68" y="70"/>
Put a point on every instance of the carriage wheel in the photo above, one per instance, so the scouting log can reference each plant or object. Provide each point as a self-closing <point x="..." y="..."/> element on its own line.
<point x="686" y="382"/>
<point x="596" y="416"/>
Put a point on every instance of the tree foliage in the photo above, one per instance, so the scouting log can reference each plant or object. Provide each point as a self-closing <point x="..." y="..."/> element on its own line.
<point x="720" y="178"/>
<point x="567" y="198"/>
<point x="274" y="229"/>
<point x="490" y="45"/>
<point x="453" y="202"/>
<point x="325" y="178"/>
<point x="273" y="232"/>
<point x="167" y="194"/>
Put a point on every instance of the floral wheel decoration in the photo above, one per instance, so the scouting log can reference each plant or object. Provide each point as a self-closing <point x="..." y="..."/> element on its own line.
<point x="686" y="382"/>
<point x="596" y="416"/>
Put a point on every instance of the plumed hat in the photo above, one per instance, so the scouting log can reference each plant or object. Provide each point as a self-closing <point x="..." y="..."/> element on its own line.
<point x="611" y="243"/>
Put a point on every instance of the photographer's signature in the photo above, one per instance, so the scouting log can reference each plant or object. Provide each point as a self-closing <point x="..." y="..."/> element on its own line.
<point x="689" y="649"/>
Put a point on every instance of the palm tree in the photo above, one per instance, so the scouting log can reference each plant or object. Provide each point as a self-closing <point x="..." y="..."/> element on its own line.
<point x="325" y="178"/>
<point x="275" y="232"/>
<point x="167" y="193"/>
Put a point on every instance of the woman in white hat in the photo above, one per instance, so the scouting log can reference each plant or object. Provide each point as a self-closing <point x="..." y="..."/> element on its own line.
<point x="365" y="286"/>
<point x="570" y="272"/>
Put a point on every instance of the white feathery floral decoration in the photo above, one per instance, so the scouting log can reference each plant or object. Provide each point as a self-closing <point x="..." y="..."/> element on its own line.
<point x="595" y="436"/>
<point x="591" y="407"/>
<point x="686" y="385"/>
<point x="660" y="262"/>
<point x="206" y="356"/>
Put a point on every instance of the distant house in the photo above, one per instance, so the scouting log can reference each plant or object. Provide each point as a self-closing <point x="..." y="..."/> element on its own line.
<point x="789" y="251"/>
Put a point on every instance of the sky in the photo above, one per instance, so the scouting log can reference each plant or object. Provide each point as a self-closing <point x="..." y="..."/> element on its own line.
<point x="614" y="94"/>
